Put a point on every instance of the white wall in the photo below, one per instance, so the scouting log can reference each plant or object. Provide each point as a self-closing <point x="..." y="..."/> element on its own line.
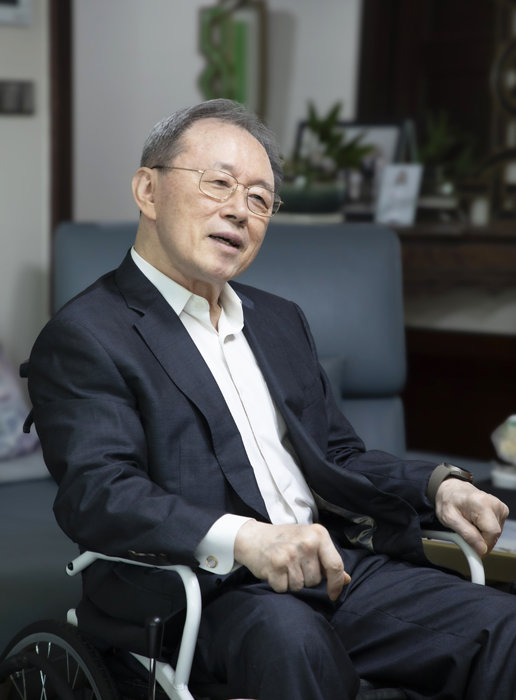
<point x="24" y="189"/>
<point x="136" y="62"/>
<point x="313" y="55"/>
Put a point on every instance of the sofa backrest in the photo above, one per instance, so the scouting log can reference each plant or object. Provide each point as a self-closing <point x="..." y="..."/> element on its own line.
<point x="84" y="251"/>
<point x="346" y="278"/>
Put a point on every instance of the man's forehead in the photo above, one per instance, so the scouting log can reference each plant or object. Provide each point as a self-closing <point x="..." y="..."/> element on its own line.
<point x="211" y="128"/>
<point x="215" y="140"/>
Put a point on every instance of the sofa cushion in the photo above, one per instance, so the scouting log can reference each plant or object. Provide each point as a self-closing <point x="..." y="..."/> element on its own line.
<point x="23" y="468"/>
<point x="34" y="552"/>
<point x="13" y="411"/>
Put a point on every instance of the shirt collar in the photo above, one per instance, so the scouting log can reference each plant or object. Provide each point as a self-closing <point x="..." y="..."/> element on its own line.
<point x="178" y="296"/>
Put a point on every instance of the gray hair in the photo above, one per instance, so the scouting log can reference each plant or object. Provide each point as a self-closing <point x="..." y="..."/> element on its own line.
<point x="164" y="142"/>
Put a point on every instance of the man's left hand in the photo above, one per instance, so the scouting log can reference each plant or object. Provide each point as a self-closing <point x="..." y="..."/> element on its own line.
<point x="477" y="516"/>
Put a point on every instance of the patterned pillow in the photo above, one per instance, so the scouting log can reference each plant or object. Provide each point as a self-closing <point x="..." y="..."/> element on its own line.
<point x="13" y="411"/>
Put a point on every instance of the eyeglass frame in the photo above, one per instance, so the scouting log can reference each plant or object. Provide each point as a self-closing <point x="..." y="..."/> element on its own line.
<point x="277" y="201"/>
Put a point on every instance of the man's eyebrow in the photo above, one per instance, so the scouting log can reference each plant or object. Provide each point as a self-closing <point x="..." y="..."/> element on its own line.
<point x="229" y="169"/>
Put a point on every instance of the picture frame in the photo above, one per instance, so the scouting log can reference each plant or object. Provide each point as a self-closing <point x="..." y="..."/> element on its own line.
<point x="387" y="142"/>
<point x="385" y="138"/>
<point x="398" y="194"/>
<point x="18" y="12"/>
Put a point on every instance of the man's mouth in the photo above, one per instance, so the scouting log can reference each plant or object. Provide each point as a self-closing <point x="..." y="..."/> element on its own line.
<point x="234" y="243"/>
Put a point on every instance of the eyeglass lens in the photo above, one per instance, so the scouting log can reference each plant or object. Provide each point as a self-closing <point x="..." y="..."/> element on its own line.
<point x="220" y="185"/>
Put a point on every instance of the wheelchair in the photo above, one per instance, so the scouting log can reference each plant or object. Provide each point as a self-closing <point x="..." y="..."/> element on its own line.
<point x="55" y="660"/>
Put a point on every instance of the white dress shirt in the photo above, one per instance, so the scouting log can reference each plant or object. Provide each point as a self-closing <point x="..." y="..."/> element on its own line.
<point x="262" y="428"/>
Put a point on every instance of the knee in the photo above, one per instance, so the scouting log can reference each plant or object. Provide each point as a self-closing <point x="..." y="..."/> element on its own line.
<point x="290" y="629"/>
<point x="297" y="648"/>
<point x="275" y="645"/>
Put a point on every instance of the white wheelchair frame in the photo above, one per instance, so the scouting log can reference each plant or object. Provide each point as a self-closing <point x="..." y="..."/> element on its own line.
<point x="174" y="682"/>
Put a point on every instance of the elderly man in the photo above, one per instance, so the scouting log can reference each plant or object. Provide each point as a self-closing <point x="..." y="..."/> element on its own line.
<point x="187" y="420"/>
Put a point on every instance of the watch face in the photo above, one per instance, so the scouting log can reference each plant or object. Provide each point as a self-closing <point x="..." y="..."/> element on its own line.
<point x="459" y="473"/>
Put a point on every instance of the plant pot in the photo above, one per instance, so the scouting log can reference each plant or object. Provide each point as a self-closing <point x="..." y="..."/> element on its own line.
<point x="316" y="198"/>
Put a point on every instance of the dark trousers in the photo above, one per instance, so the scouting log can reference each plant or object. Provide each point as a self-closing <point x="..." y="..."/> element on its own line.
<point x="418" y="628"/>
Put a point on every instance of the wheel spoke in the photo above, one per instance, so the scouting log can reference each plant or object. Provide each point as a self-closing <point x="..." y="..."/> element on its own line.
<point x="14" y="678"/>
<point x="56" y="662"/>
<point x="68" y="668"/>
<point x="77" y="671"/>
<point x="42" y="675"/>
<point x="43" y="694"/>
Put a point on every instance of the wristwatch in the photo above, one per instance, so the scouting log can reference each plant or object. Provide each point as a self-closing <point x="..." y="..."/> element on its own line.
<point x="445" y="471"/>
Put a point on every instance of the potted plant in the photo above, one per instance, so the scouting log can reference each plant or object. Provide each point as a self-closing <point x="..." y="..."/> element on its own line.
<point x="317" y="175"/>
<point x="447" y="153"/>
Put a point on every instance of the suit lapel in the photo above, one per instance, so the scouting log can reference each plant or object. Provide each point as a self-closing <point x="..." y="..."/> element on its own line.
<point x="360" y="503"/>
<point x="270" y="350"/>
<point x="171" y="345"/>
<point x="269" y="345"/>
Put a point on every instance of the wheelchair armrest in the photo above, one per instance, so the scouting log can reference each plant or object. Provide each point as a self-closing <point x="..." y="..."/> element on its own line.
<point x="475" y="564"/>
<point x="193" y="606"/>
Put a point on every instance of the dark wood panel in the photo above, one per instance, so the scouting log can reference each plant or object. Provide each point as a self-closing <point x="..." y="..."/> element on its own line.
<point x="439" y="258"/>
<point x="426" y="56"/>
<point x="60" y="23"/>
<point x="460" y="386"/>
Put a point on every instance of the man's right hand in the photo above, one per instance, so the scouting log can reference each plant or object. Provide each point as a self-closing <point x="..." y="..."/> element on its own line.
<point x="290" y="557"/>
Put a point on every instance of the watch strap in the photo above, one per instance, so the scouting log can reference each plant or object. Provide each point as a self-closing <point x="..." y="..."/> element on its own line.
<point x="445" y="471"/>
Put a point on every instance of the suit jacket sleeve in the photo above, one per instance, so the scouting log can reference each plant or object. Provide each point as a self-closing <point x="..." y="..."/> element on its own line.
<point x="96" y="445"/>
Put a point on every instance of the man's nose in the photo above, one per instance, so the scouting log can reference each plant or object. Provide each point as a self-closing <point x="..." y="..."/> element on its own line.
<point x="237" y="204"/>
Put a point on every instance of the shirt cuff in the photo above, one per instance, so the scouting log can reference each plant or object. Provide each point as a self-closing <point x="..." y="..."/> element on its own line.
<point x="215" y="552"/>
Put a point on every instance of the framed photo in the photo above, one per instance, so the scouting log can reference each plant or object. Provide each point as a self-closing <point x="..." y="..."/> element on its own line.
<point x="385" y="147"/>
<point x="15" y="11"/>
<point x="398" y="194"/>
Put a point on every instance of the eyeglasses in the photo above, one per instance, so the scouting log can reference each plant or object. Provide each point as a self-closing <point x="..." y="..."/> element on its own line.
<point x="220" y="186"/>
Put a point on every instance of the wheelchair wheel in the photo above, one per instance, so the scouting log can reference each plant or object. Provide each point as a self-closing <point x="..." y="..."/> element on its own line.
<point x="51" y="660"/>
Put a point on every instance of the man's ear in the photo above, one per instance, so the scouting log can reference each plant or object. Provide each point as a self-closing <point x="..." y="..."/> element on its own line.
<point x="143" y="184"/>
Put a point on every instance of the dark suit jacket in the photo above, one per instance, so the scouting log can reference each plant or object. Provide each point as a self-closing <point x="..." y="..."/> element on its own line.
<point x="146" y="453"/>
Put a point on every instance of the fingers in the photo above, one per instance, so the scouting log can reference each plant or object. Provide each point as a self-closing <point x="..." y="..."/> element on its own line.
<point x="295" y="576"/>
<point x="310" y="570"/>
<point x="471" y="535"/>
<point x="333" y="567"/>
<point x="291" y="557"/>
<point x="477" y="516"/>
<point x="308" y="555"/>
<point x="336" y="580"/>
<point x="489" y="519"/>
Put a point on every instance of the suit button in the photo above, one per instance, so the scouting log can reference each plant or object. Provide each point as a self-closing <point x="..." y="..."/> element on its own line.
<point x="211" y="562"/>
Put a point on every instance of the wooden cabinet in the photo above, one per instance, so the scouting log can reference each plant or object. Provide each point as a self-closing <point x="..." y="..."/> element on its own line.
<point x="442" y="257"/>
<point x="460" y="385"/>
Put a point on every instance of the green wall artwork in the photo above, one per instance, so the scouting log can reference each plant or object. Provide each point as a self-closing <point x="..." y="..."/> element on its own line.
<point x="232" y="39"/>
